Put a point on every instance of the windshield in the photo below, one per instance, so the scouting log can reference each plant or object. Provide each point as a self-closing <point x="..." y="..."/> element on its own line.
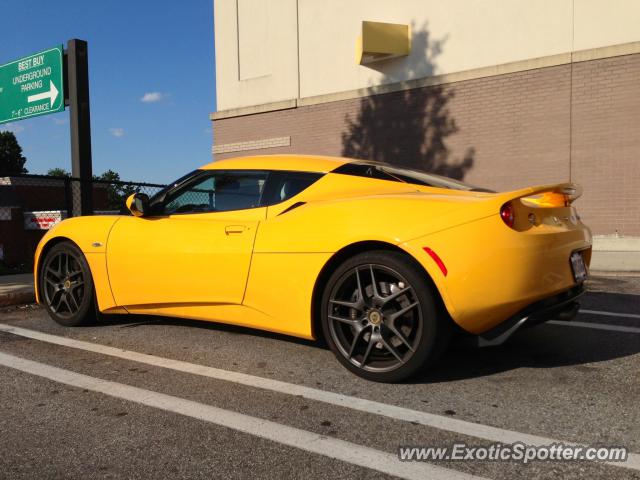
<point x="159" y="197"/>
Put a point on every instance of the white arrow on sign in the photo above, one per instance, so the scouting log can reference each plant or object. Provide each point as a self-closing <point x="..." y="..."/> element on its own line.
<point x="52" y="94"/>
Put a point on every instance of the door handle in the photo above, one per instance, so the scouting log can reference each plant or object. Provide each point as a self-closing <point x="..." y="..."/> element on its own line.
<point x="229" y="229"/>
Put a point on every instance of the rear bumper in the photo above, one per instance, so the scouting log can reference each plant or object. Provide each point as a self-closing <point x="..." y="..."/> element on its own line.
<point x="561" y="306"/>
<point x="494" y="272"/>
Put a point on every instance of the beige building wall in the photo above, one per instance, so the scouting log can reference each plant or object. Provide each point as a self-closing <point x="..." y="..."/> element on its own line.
<point x="256" y="51"/>
<point x="280" y="50"/>
<point x="601" y="23"/>
<point x="447" y="37"/>
<point x="500" y="93"/>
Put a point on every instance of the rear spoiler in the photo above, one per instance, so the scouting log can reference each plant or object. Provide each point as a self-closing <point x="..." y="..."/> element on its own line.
<point x="561" y="194"/>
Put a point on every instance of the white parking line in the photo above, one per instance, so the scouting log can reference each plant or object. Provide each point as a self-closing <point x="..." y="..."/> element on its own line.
<point x="595" y="326"/>
<point x="311" y="442"/>
<point x="610" y="314"/>
<point x="462" y="427"/>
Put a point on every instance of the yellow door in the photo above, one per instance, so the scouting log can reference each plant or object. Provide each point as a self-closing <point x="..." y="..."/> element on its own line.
<point x="185" y="259"/>
<point x="195" y="251"/>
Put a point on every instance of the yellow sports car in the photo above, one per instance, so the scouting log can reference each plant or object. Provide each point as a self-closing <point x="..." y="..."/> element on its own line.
<point x="383" y="262"/>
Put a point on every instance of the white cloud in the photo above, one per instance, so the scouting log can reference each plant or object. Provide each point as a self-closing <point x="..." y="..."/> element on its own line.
<point x="152" y="97"/>
<point x="12" y="127"/>
<point x="117" y="132"/>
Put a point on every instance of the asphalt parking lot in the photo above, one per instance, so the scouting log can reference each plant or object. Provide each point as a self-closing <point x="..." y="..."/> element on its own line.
<point x="147" y="397"/>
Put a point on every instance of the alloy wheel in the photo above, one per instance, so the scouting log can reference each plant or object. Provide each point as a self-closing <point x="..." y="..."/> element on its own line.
<point x="63" y="282"/>
<point x="375" y="318"/>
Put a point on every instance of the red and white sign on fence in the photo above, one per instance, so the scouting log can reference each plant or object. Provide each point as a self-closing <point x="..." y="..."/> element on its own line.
<point x="43" y="220"/>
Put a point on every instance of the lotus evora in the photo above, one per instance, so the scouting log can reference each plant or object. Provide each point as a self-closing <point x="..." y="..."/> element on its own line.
<point x="383" y="262"/>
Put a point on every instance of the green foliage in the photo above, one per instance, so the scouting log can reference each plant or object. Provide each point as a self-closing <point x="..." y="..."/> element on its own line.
<point x="11" y="158"/>
<point x="58" y="172"/>
<point x="110" y="181"/>
<point x="108" y="176"/>
<point x="117" y="193"/>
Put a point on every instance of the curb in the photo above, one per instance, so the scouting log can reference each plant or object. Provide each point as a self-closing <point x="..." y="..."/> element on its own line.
<point x="607" y="273"/>
<point x="16" y="298"/>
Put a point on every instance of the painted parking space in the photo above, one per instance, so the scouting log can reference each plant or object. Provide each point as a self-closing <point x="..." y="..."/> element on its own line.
<point x="526" y="390"/>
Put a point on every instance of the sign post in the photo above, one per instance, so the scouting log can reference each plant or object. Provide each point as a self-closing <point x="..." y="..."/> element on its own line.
<point x="32" y="86"/>
<point x="44" y="83"/>
<point x="80" y="119"/>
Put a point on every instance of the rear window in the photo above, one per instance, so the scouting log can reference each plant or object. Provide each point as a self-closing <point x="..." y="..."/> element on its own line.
<point x="383" y="171"/>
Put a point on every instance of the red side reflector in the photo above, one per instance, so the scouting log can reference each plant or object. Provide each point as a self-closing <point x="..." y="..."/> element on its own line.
<point x="436" y="259"/>
<point x="507" y="214"/>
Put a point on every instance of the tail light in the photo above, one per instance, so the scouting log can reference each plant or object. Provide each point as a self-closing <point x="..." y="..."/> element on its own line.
<point x="507" y="214"/>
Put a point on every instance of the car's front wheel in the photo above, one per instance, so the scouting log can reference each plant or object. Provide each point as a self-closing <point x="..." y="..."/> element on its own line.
<point x="66" y="286"/>
<point x="380" y="317"/>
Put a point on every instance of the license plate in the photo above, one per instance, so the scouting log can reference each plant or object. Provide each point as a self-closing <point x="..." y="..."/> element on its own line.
<point x="579" y="268"/>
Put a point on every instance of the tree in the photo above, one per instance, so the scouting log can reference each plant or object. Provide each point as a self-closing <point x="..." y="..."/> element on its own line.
<point x="58" y="172"/>
<point x="410" y="127"/>
<point x="108" y="176"/>
<point x="117" y="192"/>
<point x="11" y="158"/>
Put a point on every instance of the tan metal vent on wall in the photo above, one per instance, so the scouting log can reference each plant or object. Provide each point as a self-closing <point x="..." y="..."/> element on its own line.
<point x="382" y="41"/>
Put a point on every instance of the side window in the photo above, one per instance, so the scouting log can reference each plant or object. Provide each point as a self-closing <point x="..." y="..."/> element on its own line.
<point x="218" y="191"/>
<point x="283" y="185"/>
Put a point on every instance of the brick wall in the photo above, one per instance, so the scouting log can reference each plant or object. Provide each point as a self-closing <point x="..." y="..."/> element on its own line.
<point x="578" y="122"/>
<point x="605" y="142"/>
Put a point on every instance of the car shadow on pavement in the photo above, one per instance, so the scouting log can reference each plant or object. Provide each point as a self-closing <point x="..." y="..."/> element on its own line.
<point x="612" y="302"/>
<point x="543" y="346"/>
<point x="133" y="321"/>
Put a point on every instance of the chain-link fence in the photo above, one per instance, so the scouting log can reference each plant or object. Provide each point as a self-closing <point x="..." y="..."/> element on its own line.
<point x="30" y="204"/>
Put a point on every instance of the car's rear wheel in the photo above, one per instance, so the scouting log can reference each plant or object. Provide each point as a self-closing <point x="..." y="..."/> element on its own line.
<point x="66" y="286"/>
<point x="380" y="317"/>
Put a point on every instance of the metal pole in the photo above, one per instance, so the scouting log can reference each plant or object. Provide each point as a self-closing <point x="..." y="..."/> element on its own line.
<point x="80" y="118"/>
<point x="68" y="197"/>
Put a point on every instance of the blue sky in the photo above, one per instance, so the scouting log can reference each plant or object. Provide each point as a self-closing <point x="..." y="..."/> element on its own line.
<point x="152" y="82"/>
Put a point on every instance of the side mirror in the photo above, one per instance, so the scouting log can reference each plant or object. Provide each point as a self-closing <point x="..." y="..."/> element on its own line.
<point x="138" y="204"/>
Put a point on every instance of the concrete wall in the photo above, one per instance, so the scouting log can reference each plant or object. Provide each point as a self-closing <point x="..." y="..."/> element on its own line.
<point x="600" y="23"/>
<point x="577" y="122"/>
<point x="256" y="51"/>
<point x="449" y="36"/>
<point x="259" y="42"/>
<point x="499" y="93"/>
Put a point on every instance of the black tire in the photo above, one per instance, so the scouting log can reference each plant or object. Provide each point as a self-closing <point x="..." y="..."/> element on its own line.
<point x="401" y="315"/>
<point x="66" y="286"/>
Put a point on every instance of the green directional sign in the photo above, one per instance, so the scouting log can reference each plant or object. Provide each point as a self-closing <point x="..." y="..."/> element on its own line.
<point x="32" y="86"/>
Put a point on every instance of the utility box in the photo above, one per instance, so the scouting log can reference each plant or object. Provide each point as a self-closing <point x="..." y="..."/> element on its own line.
<point x="382" y="41"/>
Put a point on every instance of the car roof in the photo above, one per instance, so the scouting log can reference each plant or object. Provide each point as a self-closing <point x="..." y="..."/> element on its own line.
<point x="299" y="163"/>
